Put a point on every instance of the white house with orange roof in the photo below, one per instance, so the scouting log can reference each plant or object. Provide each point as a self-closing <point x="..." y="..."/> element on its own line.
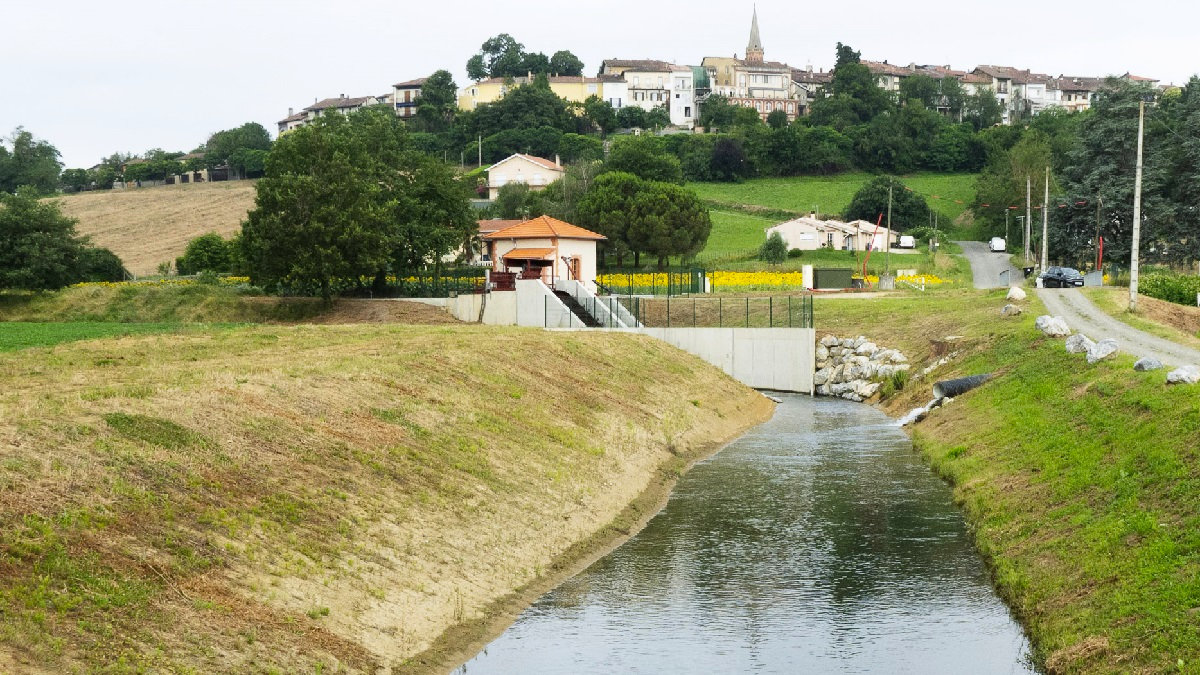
<point x="535" y="172"/>
<point x="545" y="248"/>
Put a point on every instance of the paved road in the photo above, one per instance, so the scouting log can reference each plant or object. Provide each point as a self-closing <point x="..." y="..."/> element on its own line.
<point x="1084" y="317"/>
<point x="987" y="266"/>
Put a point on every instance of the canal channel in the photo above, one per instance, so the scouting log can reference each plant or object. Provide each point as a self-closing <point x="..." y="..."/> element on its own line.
<point x="817" y="542"/>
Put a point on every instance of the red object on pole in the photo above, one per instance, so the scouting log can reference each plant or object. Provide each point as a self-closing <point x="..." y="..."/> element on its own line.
<point x="871" y="246"/>
<point x="1100" y="254"/>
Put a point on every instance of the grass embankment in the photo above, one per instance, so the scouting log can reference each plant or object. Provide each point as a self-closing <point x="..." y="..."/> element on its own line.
<point x="1082" y="483"/>
<point x="201" y="303"/>
<point x="151" y="225"/>
<point x="295" y="498"/>
<point x="1179" y="323"/>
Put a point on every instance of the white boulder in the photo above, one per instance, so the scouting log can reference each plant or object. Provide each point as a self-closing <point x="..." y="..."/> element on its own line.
<point x="1053" y="326"/>
<point x="1015" y="293"/>
<point x="1102" y="350"/>
<point x="1184" y="375"/>
<point x="1011" y="310"/>
<point x="1079" y="344"/>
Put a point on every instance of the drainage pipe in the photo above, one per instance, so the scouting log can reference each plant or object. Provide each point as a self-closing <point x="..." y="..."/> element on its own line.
<point x="958" y="386"/>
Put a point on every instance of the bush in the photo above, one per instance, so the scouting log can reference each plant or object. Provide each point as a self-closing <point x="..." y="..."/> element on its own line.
<point x="795" y="253"/>
<point x="1177" y="288"/>
<point x="774" y="250"/>
<point x="208" y="252"/>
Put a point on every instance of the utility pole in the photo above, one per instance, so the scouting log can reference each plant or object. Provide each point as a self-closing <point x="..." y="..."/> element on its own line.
<point x="1137" y="212"/>
<point x="1099" y="205"/>
<point x="479" y="147"/>
<point x="887" y="247"/>
<point x="1006" y="212"/>
<point x="1028" y="214"/>
<point x="1045" y="217"/>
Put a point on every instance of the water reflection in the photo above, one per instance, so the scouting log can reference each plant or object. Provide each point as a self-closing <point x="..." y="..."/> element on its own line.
<point x="818" y="542"/>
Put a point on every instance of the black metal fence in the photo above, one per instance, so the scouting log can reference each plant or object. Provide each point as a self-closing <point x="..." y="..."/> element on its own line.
<point x="671" y="282"/>
<point x="791" y="311"/>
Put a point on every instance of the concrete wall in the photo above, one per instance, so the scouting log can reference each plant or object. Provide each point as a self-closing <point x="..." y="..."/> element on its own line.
<point x="783" y="359"/>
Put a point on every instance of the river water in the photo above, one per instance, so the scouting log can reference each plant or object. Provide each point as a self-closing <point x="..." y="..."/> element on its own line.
<point x="818" y="542"/>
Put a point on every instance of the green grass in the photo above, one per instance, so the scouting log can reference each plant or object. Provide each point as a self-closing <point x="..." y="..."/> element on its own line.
<point x="23" y="335"/>
<point x="832" y="194"/>
<point x="196" y="303"/>
<point x="742" y="211"/>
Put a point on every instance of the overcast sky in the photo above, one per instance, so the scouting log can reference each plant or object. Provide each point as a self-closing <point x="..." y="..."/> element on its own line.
<point x="95" y="78"/>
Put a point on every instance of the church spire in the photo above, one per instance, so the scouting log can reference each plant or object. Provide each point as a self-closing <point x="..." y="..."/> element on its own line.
<point x="754" y="50"/>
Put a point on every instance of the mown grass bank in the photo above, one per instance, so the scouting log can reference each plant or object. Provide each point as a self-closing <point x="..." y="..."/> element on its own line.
<point x="293" y="499"/>
<point x="1081" y="483"/>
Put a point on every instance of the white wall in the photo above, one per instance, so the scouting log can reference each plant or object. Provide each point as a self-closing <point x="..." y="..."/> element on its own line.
<point x="783" y="359"/>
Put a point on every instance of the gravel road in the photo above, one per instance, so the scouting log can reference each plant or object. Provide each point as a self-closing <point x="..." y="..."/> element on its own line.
<point x="987" y="266"/>
<point x="1084" y="317"/>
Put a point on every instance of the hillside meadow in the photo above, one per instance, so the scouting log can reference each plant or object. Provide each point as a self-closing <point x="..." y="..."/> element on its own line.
<point x="152" y="225"/>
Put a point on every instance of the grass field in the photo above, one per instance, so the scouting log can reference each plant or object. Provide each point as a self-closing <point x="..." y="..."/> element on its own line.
<point x="832" y="194"/>
<point x="22" y="335"/>
<point x="152" y="225"/>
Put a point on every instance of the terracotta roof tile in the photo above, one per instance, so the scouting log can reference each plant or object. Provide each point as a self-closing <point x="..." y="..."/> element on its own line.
<point x="529" y="253"/>
<point x="411" y="83"/>
<point x="544" y="227"/>
<point x="489" y="226"/>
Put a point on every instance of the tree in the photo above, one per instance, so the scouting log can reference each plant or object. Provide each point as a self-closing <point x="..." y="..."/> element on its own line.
<point x="247" y="163"/>
<point x="774" y="250"/>
<point x="854" y="97"/>
<point x="920" y="88"/>
<point x="565" y="63"/>
<point x="535" y="62"/>
<point x="777" y="119"/>
<point x="667" y="220"/>
<point x="516" y="201"/>
<point x="728" y="160"/>
<point x="605" y="208"/>
<point x="574" y="147"/>
<point x="982" y="109"/>
<point x="206" y="253"/>
<point x="1002" y="183"/>
<point x="717" y="113"/>
<point x="348" y="197"/>
<point x="600" y="113"/>
<point x="100" y="264"/>
<point x="644" y="157"/>
<point x="631" y="117"/>
<point x="223" y="144"/>
<point x="499" y="56"/>
<point x="75" y="180"/>
<point x="658" y="117"/>
<point x="28" y="161"/>
<point x="438" y="103"/>
<point x="908" y="208"/>
<point x="1102" y="166"/>
<point x="38" y="246"/>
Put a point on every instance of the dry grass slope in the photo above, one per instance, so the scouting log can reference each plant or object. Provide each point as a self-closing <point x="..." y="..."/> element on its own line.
<point x="148" y="226"/>
<point x="317" y="497"/>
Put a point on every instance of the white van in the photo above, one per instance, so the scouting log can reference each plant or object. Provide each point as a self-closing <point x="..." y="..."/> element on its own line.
<point x="907" y="241"/>
<point x="997" y="245"/>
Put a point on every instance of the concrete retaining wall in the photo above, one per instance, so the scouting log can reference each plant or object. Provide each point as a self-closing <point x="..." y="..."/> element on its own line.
<point x="783" y="359"/>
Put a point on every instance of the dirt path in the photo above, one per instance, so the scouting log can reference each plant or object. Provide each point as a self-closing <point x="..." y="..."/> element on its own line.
<point x="1085" y="317"/>
<point x="987" y="266"/>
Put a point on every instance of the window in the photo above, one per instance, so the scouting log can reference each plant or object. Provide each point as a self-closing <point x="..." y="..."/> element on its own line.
<point x="635" y="80"/>
<point x="591" y="88"/>
<point x="687" y="111"/>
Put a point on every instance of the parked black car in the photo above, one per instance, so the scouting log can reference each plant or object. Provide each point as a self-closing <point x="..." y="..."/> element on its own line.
<point x="1061" y="277"/>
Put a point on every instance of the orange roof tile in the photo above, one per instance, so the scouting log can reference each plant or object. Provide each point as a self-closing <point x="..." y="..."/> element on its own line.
<point x="544" y="227"/>
<point x="495" y="224"/>
<point x="529" y="253"/>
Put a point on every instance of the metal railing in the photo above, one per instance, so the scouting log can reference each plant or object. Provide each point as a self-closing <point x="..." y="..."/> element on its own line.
<point x="792" y="311"/>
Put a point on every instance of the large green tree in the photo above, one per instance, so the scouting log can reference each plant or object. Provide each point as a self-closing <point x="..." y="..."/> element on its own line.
<point x="854" y="97"/>
<point x="503" y="56"/>
<point x="348" y="197"/>
<point x="640" y="216"/>
<point x="223" y="144"/>
<point x="644" y="157"/>
<point x="438" y="104"/>
<point x="28" y="161"/>
<point x="908" y="208"/>
<point x="38" y="245"/>
<point x="982" y="109"/>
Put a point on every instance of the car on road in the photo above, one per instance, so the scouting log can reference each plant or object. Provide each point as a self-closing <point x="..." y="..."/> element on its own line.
<point x="996" y="245"/>
<point x="1061" y="277"/>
